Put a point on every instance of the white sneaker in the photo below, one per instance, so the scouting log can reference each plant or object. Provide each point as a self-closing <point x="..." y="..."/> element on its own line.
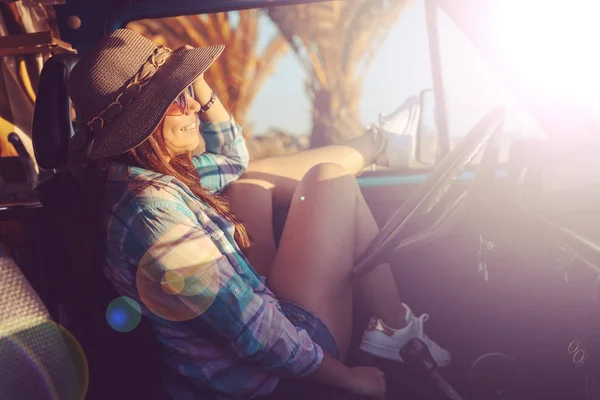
<point x="400" y="129"/>
<point x="385" y="342"/>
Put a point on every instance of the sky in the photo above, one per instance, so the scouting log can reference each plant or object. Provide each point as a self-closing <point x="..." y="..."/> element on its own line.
<point x="401" y="68"/>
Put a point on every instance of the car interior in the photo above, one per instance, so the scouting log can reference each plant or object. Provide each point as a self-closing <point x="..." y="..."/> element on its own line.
<point x="507" y="266"/>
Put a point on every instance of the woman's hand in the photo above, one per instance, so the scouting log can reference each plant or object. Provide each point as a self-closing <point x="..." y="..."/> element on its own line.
<point x="201" y="88"/>
<point x="203" y="93"/>
<point x="368" y="381"/>
<point x="365" y="381"/>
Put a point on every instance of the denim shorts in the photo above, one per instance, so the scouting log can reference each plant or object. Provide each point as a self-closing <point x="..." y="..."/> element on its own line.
<point x="319" y="333"/>
<point x="316" y="329"/>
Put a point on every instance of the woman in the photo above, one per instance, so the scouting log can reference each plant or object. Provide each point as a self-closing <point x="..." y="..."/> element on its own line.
<point x="172" y="243"/>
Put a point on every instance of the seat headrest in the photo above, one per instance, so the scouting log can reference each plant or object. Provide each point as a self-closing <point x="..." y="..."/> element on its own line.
<point x="52" y="124"/>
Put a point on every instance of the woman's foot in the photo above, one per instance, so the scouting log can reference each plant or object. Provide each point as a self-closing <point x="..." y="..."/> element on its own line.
<point x="399" y="131"/>
<point x="382" y="341"/>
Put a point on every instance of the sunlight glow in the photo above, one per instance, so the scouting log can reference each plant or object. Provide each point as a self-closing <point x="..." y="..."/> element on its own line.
<point x="554" y="45"/>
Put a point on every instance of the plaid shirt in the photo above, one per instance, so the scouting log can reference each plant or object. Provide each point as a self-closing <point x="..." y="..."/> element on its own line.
<point x="219" y="324"/>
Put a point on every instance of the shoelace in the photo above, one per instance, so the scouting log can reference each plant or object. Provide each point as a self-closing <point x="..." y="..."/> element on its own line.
<point x="421" y="334"/>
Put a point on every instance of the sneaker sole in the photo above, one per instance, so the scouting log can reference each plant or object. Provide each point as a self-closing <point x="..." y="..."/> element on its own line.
<point x="391" y="354"/>
<point x="381" y="351"/>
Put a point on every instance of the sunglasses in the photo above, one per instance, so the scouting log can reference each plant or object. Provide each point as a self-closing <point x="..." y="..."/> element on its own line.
<point x="181" y="105"/>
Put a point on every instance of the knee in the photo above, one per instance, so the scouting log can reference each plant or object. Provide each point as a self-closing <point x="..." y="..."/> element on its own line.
<point x="249" y="193"/>
<point x="330" y="175"/>
<point x="327" y="171"/>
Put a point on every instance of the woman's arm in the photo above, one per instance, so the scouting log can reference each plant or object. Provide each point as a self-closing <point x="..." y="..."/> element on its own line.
<point x="366" y="381"/>
<point x="226" y="156"/>
<point x="284" y="172"/>
<point x="203" y="93"/>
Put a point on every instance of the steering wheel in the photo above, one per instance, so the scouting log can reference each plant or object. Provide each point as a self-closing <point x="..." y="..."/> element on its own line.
<point x="394" y="235"/>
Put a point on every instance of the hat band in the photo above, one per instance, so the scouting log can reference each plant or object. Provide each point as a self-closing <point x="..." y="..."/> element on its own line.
<point x="133" y="88"/>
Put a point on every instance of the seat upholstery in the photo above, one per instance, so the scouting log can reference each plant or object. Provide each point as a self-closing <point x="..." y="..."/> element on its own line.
<point x="38" y="363"/>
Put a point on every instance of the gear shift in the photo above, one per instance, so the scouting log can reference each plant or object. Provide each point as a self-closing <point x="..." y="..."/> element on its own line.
<point x="418" y="357"/>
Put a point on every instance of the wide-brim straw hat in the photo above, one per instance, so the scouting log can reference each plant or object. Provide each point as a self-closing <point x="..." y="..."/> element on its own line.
<point x="125" y="83"/>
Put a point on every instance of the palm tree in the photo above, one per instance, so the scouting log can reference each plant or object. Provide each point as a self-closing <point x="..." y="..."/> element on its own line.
<point x="238" y="75"/>
<point x="335" y="42"/>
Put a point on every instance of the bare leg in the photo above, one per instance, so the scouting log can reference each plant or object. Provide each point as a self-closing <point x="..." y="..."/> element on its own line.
<point x="273" y="181"/>
<point x="328" y="226"/>
<point x="377" y="286"/>
<point x="252" y="202"/>
<point x="285" y="172"/>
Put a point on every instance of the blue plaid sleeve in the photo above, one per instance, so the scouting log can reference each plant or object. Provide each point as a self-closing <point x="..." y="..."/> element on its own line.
<point x="226" y="157"/>
<point x="185" y="277"/>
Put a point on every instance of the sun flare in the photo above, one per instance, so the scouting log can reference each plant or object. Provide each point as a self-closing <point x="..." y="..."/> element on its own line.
<point x="554" y="46"/>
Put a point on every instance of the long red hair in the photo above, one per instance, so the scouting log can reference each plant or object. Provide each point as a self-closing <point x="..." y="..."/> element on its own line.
<point x="152" y="155"/>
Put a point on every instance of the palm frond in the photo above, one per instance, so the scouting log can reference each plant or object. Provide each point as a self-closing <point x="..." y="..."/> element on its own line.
<point x="336" y="42"/>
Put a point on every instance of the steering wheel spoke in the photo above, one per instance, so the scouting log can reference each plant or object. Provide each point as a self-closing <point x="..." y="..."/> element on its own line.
<point x="395" y="237"/>
<point x="443" y="224"/>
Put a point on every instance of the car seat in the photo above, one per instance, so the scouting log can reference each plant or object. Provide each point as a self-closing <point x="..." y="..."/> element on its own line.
<point x="122" y="365"/>
<point x="39" y="360"/>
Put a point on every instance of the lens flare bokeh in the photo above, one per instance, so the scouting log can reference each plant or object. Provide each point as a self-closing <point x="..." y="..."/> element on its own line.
<point x="123" y="314"/>
<point x="48" y="360"/>
<point x="178" y="278"/>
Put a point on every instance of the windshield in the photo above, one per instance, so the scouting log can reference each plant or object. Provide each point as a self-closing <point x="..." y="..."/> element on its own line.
<point x="308" y="74"/>
<point x="472" y="87"/>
